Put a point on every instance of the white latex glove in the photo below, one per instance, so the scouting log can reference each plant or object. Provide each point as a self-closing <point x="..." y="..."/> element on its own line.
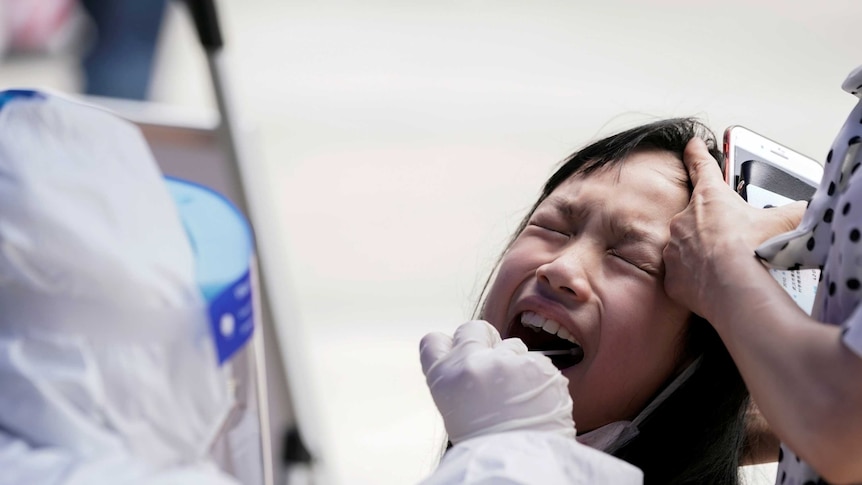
<point x="482" y="385"/>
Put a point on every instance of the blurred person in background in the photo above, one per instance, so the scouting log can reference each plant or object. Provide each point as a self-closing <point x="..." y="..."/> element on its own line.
<point x="115" y="39"/>
<point x="119" y="63"/>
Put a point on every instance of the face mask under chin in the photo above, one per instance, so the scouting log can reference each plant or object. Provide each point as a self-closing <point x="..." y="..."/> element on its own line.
<point x="613" y="436"/>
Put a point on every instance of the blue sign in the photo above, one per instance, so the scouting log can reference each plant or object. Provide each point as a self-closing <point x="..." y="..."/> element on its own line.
<point x="232" y="317"/>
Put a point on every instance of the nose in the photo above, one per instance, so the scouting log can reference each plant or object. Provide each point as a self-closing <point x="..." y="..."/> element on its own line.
<point x="566" y="274"/>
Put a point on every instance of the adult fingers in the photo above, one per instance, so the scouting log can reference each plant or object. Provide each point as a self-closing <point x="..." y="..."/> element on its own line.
<point x="789" y="216"/>
<point x="515" y="345"/>
<point x="781" y="219"/>
<point x="432" y="348"/>
<point x="701" y="166"/>
<point x="475" y="335"/>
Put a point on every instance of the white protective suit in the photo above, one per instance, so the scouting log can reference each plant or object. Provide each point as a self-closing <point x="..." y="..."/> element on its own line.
<point x="107" y="367"/>
<point x="530" y="458"/>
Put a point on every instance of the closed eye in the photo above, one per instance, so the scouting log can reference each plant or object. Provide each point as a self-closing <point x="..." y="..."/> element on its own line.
<point x="549" y="228"/>
<point x="645" y="267"/>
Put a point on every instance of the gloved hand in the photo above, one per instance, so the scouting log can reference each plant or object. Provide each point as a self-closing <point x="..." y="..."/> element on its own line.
<point x="482" y="385"/>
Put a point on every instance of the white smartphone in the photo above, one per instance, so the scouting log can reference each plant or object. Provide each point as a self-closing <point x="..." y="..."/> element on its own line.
<point x="768" y="174"/>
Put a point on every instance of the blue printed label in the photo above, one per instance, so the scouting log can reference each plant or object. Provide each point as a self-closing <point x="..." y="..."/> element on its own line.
<point x="232" y="317"/>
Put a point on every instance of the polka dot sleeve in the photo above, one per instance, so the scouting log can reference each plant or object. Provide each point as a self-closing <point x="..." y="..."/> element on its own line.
<point x="830" y="234"/>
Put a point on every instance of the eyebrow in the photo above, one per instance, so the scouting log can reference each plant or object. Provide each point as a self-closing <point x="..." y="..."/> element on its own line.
<point x="683" y="181"/>
<point x="568" y="210"/>
<point x="627" y="232"/>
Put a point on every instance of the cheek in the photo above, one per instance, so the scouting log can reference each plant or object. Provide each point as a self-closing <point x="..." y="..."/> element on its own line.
<point x="499" y="296"/>
<point x="643" y="309"/>
<point x="515" y="269"/>
<point x="639" y="349"/>
<point x="647" y="326"/>
<point x="650" y="341"/>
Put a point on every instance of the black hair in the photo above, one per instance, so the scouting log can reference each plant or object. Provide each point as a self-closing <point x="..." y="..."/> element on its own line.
<point x="695" y="436"/>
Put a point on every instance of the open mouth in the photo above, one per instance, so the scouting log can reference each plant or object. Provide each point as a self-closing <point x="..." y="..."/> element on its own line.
<point x="542" y="334"/>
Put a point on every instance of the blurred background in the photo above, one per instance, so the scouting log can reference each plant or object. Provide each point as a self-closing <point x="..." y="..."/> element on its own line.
<point x="397" y="145"/>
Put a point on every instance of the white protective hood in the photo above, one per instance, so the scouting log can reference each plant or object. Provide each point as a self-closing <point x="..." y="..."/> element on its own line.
<point x="106" y="357"/>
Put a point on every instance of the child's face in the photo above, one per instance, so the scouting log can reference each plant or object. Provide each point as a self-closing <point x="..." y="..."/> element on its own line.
<point x="590" y="260"/>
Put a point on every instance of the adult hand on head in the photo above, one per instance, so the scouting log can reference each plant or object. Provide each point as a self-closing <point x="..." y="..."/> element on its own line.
<point x="716" y="233"/>
<point x="482" y="384"/>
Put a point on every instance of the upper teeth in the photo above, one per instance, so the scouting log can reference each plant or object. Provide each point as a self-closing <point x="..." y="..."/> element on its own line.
<point x="534" y="320"/>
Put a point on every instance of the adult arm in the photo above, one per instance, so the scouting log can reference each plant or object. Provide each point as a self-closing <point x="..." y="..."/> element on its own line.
<point x="804" y="379"/>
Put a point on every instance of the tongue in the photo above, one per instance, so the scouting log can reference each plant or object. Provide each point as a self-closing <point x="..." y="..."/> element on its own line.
<point x="567" y="360"/>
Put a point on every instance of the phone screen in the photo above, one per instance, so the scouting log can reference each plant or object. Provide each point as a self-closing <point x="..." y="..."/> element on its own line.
<point x="768" y="181"/>
<point x="755" y="173"/>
